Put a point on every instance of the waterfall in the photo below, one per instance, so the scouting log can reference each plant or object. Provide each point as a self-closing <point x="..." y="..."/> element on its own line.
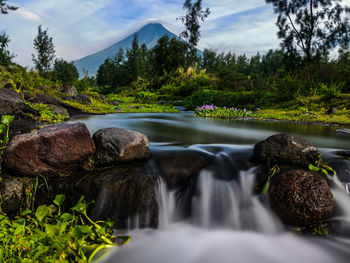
<point x="219" y="204"/>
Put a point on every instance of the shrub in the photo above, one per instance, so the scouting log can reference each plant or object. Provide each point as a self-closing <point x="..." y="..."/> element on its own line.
<point x="332" y="90"/>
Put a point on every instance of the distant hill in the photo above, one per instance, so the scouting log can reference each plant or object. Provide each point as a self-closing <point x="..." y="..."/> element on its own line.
<point x="148" y="34"/>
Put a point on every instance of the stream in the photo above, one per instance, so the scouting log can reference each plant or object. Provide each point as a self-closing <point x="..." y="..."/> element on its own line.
<point x="218" y="218"/>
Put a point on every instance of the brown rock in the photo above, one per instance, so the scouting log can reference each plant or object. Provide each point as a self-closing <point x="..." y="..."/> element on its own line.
<point x="118" y="145"/>
<point x="60" y="148"/>
<point x="301" y="197"/>
<point x="11" y="193"/>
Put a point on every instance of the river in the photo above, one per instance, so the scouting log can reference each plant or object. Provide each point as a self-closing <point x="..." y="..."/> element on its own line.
<point x="228" y="222"/>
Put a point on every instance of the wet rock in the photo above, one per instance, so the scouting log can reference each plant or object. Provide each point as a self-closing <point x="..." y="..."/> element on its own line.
<point x="11" y="191"/>
<point x="301" y="197"/>
<point x="285" y="149"/>
<point x="69" y="90"/>
<point x="115" y="145"/>
<point x="126" y="194"/>
<point x="53" y="150"/>
<point x="345" y="153"/>
<point x="178" y="167"/>
<point x="83" y="99"/>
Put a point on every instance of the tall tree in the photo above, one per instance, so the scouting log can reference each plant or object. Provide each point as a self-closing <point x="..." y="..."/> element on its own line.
<point x="4" y="7"/>
<point x="45" y="50"/>
<point x="191" y="21"/>
<point x="65" y="72"/>
<point x="312" y="27"/>
<point x="5" y="55"/>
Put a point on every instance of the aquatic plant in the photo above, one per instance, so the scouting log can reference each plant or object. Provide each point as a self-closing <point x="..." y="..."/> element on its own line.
<point x="212" y="111"/>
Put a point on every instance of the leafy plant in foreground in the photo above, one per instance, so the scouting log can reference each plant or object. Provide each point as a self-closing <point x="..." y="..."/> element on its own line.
<point x="6" y="121"/>
<point x="49" y="235"/>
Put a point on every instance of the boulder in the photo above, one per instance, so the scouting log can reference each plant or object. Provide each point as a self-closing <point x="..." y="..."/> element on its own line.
<point x="54" y="150"/>
<point x="114" y="103"/>
<point x="178" y="167"/>
<point x="115" y="145"/>
<point x="60" y="110"/>
<point x="58" y="105"/>
<point x="83" y="99"/>
<point x="69" y="90"/>
<point x="12" y="192"/>
<point x="285" y="149"/>
<point x="11" y="103"/>
<point x="126" y="194"/>
<point x="103" y="98"/>
<point x="344" y="131"/>
<point x="301" y="197"/>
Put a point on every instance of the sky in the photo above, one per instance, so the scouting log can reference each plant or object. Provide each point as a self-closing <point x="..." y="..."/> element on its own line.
<point x="82" y="27"/>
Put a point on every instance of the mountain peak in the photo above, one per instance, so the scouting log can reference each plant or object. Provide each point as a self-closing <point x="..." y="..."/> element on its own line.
<point x="148" y="34"/>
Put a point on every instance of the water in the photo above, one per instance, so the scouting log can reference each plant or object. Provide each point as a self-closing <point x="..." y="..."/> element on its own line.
<point x="218" y="218"/>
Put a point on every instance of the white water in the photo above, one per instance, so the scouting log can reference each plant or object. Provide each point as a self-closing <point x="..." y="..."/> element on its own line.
<point x="227" y="224"/>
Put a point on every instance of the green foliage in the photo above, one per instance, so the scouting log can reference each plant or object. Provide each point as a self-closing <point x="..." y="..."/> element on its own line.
<point x="323" y="168"/>
<point x="47" y="235"/>
<point x="274" y="170"/>
<point x="333" y="90"/>
<point x="321" y="231"/>
<point x="6" y="121"/>
<point x="65" y="72"/>
<point x="47" y="113"/>
<point x="211" y="111"/>
<point x="45" y="50"/>
<point x="5" y="55"/>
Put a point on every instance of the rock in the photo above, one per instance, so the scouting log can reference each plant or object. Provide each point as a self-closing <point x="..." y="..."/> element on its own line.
<point x="12" y="192"/>
<point x="115" y="145"/>
<point x="11" y="103"/>
<point x="53" y="150"/>
<point x="83" y="99"/>
<point x="285" y="149"/>
<point x="136" y="107"/>
<point x="58" y="105"/>
<point x="345" y="153"/>
<point x="103" y="98"/>
<point x="114" y="103"/>
<point x="301" y="197"/>
<point x="178" y="167"/>
<point x="332" y="110"/>
<point x="119" y="109"/>
<point x="61" y="111"/>
<point x="69" y="90"/>
<point x="126" y="194"/>
<point x="344" y="131"/>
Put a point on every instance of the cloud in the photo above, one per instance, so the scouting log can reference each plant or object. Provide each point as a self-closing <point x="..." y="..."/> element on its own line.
<point x="82" y="27"/>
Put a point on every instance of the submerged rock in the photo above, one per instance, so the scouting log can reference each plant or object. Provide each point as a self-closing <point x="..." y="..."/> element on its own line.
<point x="12" y="192"/>
<point x="301" y="197"/>
<point x="115" y="145"/>
<point x="285" y="149"/>
<point x="60" y="148"/>
<point x="344" y="131"/>
<point x="126" y="194"/>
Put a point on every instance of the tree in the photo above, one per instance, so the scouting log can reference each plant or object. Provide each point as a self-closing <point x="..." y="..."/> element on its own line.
<point x="194" y="13"/>
<point x="4" y="8"/>
<point x="65" y="72"/>
<point x="45" y="52"/>
<point x="311" y="27"/>
<point x="5" y="55"/>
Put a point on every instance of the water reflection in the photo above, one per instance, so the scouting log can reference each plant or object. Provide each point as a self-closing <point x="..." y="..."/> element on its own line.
<point x="184" y="129"/>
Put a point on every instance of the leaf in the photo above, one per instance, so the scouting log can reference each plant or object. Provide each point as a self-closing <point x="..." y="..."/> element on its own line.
<point x="59" y="199"/>
<point x="41" y="212"/>
<point x="85" y="229"/>
<point x="51" y="230"/>
<point x="26" y="212"/>
<point x="266" y="188"/>
<point x="313" y="168"/>
<point x="7" y="119"/>
<point x="66" y="217"/>
<point x="2" y="128"/>
<point x="80" y="207"/>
